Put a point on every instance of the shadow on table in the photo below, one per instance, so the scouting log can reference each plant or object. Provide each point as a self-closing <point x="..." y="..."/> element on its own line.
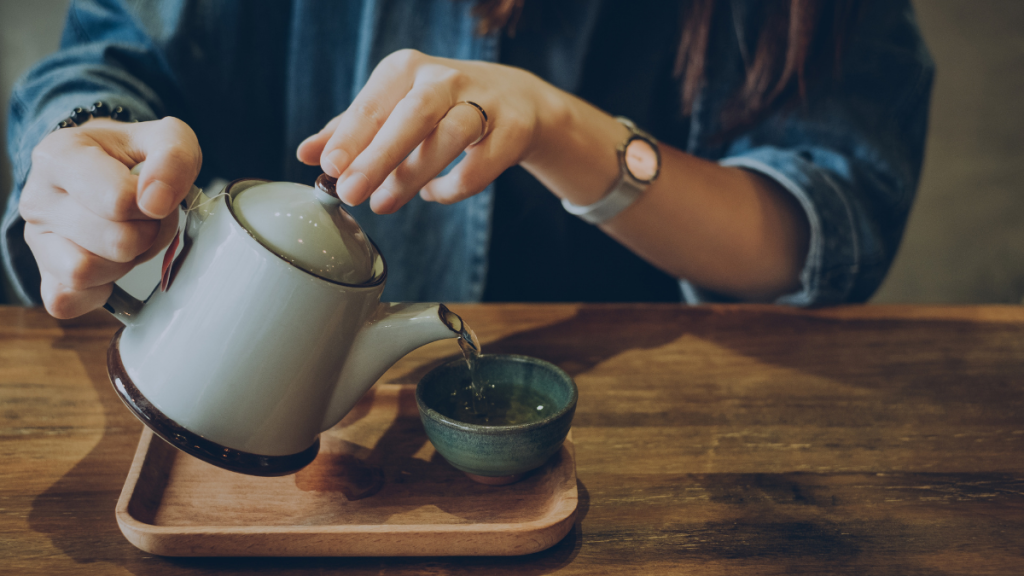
<point x="87" y="494"/>
<point x="913" y="359"/>
<point x="578" y="343"/>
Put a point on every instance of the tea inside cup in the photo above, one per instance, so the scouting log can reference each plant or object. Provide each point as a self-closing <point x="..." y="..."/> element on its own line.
<point x="526" y="409"/>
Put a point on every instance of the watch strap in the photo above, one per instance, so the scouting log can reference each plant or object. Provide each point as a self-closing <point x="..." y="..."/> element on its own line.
<point x="622" y="194"/>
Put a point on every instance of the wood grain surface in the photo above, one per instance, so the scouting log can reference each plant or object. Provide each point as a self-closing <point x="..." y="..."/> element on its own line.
<point x="710" y="440"/>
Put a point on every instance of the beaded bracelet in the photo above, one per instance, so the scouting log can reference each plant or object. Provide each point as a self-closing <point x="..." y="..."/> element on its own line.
<point x="100" y="109"/>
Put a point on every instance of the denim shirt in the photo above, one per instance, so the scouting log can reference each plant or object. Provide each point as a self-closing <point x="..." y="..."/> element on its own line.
<point x="255" y="78"/>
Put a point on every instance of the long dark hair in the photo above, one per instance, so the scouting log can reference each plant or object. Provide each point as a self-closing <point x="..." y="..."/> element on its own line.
<point x="800" y="40"/>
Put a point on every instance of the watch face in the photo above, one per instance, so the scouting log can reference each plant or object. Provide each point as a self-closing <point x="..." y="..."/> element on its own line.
<point x="642" y="159"/>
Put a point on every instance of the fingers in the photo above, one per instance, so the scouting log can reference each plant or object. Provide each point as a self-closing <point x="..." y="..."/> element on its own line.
<point x="173" y="159"/>
<point x="311" y="148"/>
<point x="88" y="219"/>
<point x="93" y="164"/>
<point x="389" y="83"/>
<point x="114" y="241"/>
<point x="411" y="122"/>
<point x="481" y="166"/>
<point x="71" y="265"/>
<point x="396" y="136"/>
<point x="94" y="254"/>
<point x="76" y="163"/>
<point x="456" y="131"/>
<point x="63" y="302"/>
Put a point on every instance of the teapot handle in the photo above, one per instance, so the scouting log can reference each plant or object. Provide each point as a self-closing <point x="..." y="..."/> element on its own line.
<point x="123" y="305"/>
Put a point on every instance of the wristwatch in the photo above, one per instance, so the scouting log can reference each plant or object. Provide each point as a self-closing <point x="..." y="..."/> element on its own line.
<point x="639" y="165"/>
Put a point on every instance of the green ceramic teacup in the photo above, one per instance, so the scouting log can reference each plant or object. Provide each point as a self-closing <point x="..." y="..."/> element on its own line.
<point x="497" y="454"/>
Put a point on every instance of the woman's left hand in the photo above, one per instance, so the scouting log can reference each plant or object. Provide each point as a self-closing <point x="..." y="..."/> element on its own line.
<point x="411" y="120"/>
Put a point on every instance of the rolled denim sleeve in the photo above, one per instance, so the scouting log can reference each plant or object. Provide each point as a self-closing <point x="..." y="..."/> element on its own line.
<point x="103" y="56"/>
<point x="834" y="261"/>
<point x="850" y="153"/>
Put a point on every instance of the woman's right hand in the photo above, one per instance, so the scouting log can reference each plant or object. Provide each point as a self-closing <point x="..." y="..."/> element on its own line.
<point x="88" y="220"/>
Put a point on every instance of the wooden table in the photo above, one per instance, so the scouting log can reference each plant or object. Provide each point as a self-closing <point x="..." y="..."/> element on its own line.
<point x="711" y="440"/>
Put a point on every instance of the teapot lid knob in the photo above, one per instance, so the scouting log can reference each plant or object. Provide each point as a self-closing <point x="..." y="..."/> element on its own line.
<point x="326" y="190"/>
<point x="327" y="185"/>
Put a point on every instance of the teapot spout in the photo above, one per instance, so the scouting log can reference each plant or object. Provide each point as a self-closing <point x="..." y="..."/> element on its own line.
<point x="394" y="330"/>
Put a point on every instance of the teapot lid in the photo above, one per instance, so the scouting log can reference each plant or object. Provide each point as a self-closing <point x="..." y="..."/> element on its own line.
<point x="309" y="228"/>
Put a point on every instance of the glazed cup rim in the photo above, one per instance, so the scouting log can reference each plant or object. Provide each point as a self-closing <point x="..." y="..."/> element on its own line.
<point x="487" y="430"/>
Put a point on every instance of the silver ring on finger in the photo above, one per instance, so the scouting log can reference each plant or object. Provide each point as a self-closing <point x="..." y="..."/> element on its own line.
<point x="484" y="121"/>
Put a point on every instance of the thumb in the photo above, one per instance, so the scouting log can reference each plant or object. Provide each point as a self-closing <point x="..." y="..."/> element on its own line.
<point x="173" y="159"/>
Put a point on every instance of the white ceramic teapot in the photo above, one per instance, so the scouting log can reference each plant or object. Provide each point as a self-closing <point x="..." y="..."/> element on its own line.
<point x="267" y="330"/>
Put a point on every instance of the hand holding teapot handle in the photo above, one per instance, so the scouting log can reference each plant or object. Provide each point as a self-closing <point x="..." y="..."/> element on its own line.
<point x="88" y="219"/>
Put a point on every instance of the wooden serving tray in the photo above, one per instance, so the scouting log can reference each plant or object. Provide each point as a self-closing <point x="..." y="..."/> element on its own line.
<point x="377" y="488"/>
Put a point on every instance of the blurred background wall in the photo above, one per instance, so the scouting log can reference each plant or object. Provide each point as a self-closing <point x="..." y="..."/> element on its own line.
<point x="965" y="239"/>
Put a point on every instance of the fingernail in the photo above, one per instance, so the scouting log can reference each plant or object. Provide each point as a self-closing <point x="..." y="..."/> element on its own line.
<point x="382" y="201"/>
<point x="334" y="163"/>
<point x="354" y="189"/>
<point x="158" y="199"/>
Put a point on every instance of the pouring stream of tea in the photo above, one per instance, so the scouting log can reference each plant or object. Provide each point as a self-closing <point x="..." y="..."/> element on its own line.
<point x="471" y="350"/>
<point x="484" y="401"/>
